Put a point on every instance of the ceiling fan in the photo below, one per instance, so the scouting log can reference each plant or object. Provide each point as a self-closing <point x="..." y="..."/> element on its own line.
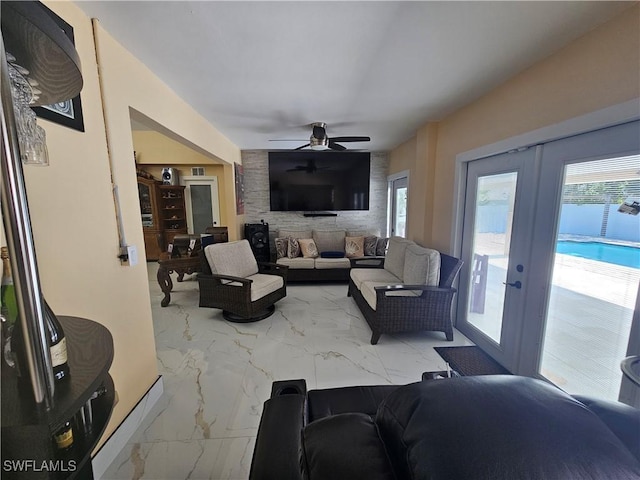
<point x="320" y="141"/>
<point x="310" y="167"/>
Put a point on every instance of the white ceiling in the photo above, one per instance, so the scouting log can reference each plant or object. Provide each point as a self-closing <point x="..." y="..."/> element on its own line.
<point x="266" y="70"/>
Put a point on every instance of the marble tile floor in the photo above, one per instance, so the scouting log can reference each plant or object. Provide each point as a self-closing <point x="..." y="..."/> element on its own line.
<point x="218" y="374"/>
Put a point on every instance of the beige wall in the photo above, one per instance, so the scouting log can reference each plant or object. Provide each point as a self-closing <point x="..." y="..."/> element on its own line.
<point x="72" y="207"/>
<point x="155" y="151"/>
<point x="598" y="70"/>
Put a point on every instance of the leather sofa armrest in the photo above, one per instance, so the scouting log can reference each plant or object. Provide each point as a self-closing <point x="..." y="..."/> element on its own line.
<point x="276" y="455"/>
<point x="621" y="419"/>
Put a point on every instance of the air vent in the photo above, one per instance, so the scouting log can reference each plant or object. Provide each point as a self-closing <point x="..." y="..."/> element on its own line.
<point x="197" y="171"/>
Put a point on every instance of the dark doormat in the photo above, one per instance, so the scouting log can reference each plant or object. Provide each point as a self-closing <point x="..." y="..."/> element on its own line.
<point x="471" y="360"/>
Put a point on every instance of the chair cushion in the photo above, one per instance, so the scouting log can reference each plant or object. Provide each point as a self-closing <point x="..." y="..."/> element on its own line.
<point x="514" y="427"/>
<point x="297" y="263"/>
<point x="325" y="442"/>
<point x="329" y="240"/>
<point x="421" y="266"/>
<point x="264" y="284"/>
<point x="395" y="255"/>
<point x="328" y="263"/>
<point x="231" y="258"/>
<point x="308" y="248"/>
<point x="354" y="247"/>
<point x="359" y="275"/>
<point x="368" y="291"/>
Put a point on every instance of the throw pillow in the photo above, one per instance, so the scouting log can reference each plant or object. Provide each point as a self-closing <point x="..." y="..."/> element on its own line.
<point x="354" y="246"/>
<point x="381" y="247"/>
<point x="308" y="248"/>
<point x="332" y="254"/>
<point x="282" y="247"/>
<point x="293" y="250"/>
<point x="370" y="245"/>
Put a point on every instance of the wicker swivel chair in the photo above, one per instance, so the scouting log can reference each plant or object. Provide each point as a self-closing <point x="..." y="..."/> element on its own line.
<point x="233" y="281"/>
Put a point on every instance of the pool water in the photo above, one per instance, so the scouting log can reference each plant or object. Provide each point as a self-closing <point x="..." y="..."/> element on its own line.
<point x="626" y="256"/>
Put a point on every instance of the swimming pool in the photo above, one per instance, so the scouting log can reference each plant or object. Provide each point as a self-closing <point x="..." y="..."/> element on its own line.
<point x="604" y="252"/>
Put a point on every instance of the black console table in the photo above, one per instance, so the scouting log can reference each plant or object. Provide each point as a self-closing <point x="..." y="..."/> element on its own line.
<point x="27" y="430"/>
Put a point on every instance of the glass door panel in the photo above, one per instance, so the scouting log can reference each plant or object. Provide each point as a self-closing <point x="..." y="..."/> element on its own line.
<point x="490" y="252"/>
<point x="399" y="193"/>
<point x="596" y="271"/>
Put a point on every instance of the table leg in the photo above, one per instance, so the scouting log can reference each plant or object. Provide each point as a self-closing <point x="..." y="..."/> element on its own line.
<point x="166" y="285"/>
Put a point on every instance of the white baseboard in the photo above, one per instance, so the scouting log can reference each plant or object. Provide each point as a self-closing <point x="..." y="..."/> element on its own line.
<point x="119" y="438"/>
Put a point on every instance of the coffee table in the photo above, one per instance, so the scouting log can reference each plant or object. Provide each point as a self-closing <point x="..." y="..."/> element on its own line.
<point x="181" y="266"/>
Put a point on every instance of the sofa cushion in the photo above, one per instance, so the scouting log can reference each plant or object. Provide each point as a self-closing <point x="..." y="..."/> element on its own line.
<point x="370" y="242"/>
<point x="264" y="284"/>
<point x="527" y="429"/>
<point x="328" y="263"/>
<point x="421" y="266"/>
<point x="368" y="291"/>
<point x="282" y="247"/>
<point x="381" y="247"/>
<point x="308" y="248"/>
<point x="294" y="232"/>
<point x="359" y="275"/>
<point x="231" y="258"/>
<point x="329" y="240"/>
<point x="354" y="247"/>
<point x="298" y="262"/>
<point x="333" y="401"/>
<point x="394" y="261"/>
<point x="293" y="250"/>
<point x="325" y="442"/>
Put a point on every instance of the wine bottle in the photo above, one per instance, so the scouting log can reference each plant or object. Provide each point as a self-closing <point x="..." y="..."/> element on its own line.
<point x="64" y="437"/>
<point x="57" y="344"/>
<point x="9" y="308"/>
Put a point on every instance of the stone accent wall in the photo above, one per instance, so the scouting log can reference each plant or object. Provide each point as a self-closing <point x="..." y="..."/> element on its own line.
<point x="256" y="200"/>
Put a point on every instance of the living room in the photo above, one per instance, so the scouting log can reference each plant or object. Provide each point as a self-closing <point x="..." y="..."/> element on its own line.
<point x="72" y="203"/>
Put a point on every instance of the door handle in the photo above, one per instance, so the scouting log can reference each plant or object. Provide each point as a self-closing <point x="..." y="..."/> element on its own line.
<point x="517" y="284"/>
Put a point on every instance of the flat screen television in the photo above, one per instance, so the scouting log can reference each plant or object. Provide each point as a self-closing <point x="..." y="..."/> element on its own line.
<point x="312" y="181"/>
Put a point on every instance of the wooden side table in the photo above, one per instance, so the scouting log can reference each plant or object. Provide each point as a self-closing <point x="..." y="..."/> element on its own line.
<point x="181" y="266"/>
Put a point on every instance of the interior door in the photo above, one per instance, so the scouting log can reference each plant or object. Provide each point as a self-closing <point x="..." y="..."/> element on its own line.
<point x="201" y="196"/>
<point x="499" y="201"/>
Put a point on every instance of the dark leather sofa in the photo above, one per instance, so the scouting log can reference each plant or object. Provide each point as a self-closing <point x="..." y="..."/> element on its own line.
<point x="499" y="427"/>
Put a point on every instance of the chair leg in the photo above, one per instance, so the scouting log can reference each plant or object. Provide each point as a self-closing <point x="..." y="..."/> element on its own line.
<point x="449" y="335"/>
<point x="375" y="337"/>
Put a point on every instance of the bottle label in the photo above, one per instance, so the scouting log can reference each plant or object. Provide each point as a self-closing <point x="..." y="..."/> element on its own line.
<point x="59" y="353"/>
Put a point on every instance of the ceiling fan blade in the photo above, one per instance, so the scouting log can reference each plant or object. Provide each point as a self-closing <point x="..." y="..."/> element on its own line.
<point x="303" y="146"/>
<point x="350" y="139"/>
<point x="288" y="140"/>
<point x="336" y="146"/>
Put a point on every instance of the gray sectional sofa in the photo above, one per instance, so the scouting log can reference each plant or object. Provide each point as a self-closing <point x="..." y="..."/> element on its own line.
<point x="335" y="252"/>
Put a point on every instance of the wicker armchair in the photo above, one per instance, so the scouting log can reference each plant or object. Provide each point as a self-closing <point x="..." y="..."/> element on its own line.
<point x="233" y="281"/>
<point x="420" y="308"/>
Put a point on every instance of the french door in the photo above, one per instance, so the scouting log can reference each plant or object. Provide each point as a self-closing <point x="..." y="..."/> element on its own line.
<point x="553" y="258"/>
<point x="497" y="227"/>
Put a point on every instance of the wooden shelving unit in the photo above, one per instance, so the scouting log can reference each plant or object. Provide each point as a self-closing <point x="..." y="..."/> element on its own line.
<point x="173" y="211"/>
